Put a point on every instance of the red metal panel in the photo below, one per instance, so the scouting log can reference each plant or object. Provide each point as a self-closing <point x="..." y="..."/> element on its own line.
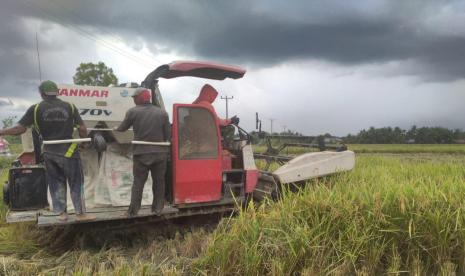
<point x="195" y="180"/>
<point x="201" y="69"/>
<point x="251" y="179"/>
<point x="186" y="66"/>
<point x="227" y="160"/>
<point x="27" y="158"/>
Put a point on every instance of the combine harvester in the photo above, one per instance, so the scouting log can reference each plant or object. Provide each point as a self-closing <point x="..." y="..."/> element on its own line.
<point x="208" y="173"/>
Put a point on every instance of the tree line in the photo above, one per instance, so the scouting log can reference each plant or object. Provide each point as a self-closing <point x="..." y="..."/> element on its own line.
<point x="384" y="135"/>
<point x="414" y="135"/>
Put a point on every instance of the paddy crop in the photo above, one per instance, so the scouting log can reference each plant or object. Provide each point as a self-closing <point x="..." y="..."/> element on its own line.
<point x="393" y="214"/>
<point x="405" y="148"/>
<point x="389" y="215"/>
<point x="382" y="148"/>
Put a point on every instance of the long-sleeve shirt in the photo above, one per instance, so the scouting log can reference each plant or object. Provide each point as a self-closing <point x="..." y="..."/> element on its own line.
<point x="150" y="124"/>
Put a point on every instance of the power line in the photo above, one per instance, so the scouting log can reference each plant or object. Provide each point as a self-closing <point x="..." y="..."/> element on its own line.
<point x="81" y="31"/>
<point x="112" y="35"/>
<point x="90" y="36"/>
<point x="109" y="45"/>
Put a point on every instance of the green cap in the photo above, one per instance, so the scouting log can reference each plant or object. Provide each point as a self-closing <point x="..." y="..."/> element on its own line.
<point x="49" y="88"/>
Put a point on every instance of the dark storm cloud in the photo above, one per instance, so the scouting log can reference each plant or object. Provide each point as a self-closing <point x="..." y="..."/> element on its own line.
<point x="14" y="45"/>
<point x="18" y="59"/>
<point x="270" y="32"/>
<point x="256" y="33"/>
<point x="19" y="72"/>
<point x="337" y="58"/>
<point x="444" y="59"/>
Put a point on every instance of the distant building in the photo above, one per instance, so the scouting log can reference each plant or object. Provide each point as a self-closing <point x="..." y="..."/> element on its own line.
<point x="332" y="140"/>
<point x="410" y="141"/>
<point x="4" y="148"/>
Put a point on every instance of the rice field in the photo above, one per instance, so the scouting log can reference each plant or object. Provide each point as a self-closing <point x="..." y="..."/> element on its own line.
<point x="385" y="148"/>
<point x="404" y="148"/>
<point x="400" y="211"/>
<point x="389" y="216"/>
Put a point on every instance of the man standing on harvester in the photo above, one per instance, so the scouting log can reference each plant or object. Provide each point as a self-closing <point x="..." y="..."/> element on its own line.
<point x="55" y="119"/>
<point x="150" y="124"/>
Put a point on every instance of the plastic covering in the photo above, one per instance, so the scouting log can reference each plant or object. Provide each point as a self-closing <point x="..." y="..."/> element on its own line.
<point x="108" y="183"/>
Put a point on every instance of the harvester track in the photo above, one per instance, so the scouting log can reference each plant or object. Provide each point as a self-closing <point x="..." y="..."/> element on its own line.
<point x="126" y="232"/>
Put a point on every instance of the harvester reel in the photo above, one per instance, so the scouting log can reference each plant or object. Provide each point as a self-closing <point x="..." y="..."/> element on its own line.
<point x="267" y="187"/>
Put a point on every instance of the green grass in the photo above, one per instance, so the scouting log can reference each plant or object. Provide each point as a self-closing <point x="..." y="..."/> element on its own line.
<point x="3" y="209"/>
<point x="387" y="216"/>
<point x="18" y="239"/>
<point x="4" y="166"/>
<point x="405" y="148"/>
<point x="25" y="250"/>
<point x="395" y="212"/>
<point x="382" y="148"/>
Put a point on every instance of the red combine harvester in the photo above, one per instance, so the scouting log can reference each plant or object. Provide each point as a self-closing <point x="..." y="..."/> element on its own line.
<point x="209" y="171"/>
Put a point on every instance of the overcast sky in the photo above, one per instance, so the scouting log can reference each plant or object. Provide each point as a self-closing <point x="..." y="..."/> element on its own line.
<point x="313" y="66"/>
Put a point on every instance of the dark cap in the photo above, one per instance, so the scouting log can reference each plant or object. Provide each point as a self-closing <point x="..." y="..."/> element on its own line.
<point x="49" y="88"/>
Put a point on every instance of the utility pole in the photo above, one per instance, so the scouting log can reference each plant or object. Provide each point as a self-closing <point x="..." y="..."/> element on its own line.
<point x="258" y="123"/>
<point x="271" y="125"/>
<point x="227" y="99"/>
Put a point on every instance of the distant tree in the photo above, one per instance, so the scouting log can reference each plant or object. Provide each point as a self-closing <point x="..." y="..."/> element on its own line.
<point x="458" y="134"/>
<point x="434" y="135"/>
<point x="94" y="74"/>
<point x="412" y="132"/>
<point x="258" y="137"/>
<point x="289" y="133"/>
<point x="8" y="122"/>
<point x="350" y="139"/>
<point x="396" y="135"/>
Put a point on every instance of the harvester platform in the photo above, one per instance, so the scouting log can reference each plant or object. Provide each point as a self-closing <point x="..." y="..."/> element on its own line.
<point x="46" y="218"/>
<point x="101" y="214"/>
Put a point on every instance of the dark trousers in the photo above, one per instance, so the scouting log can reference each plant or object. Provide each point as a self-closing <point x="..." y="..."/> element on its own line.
<point x="59" y="170"/>
<point x="142" y="164"/>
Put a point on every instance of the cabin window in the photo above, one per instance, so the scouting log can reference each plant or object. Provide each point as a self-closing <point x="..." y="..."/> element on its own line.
<point x="198" y="136"/>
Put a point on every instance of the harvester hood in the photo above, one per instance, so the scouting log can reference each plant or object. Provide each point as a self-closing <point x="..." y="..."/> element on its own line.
<point x="199" y="69"/>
